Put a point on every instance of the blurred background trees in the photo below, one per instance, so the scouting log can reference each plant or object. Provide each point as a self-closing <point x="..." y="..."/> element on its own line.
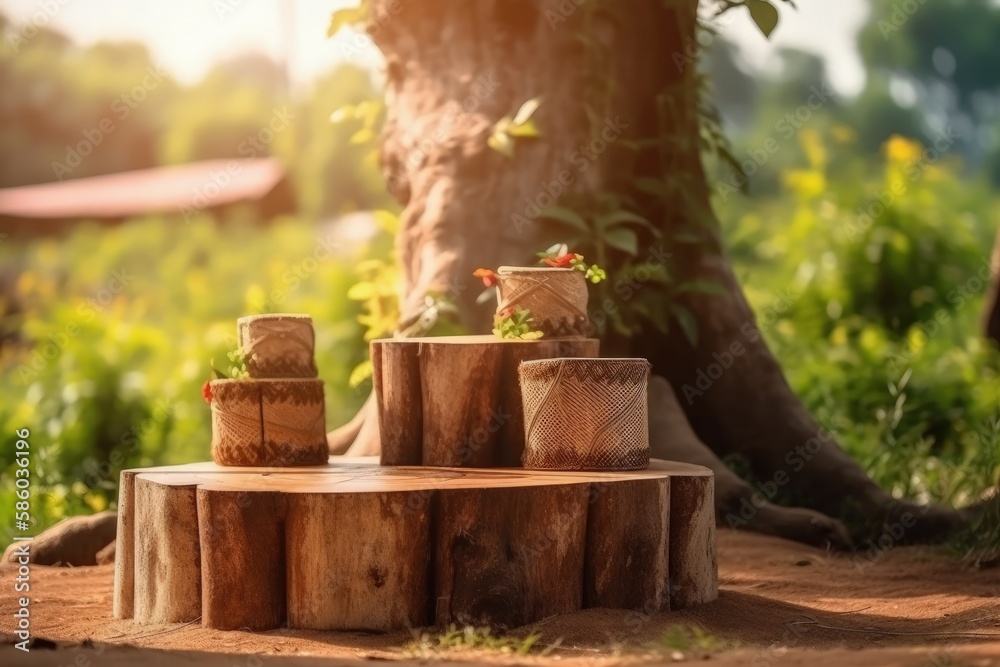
<point x="872" y="309"/>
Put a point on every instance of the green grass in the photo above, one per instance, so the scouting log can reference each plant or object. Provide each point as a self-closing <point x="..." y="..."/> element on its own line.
<point x="474" y="639"/>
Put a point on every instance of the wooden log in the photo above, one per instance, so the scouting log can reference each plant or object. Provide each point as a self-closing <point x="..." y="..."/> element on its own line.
<point x="396" y="384"/>
<point x="694" y="572"/>
<point x="357" y="562"/>
<point x="369" y="547"/>
<point x="124" y="595"/>
<point x="461" y="424"/>
<point x="507" y="557"/>
<point x="242" y="536"/>
<point x="455" y="400"/>
<point x="278" y="345"/>
<point x="628" y="546"/>
<point x="167" y="553"/>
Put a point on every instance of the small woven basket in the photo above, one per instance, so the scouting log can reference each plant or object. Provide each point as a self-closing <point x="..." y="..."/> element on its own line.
<point x="585" y="414"/>
<point x="275" y="423"/>
<point x="557" y="298"/>
<point x="278" y="345"/>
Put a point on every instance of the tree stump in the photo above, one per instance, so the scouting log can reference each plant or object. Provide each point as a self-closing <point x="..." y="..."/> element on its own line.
<point x="456" y="400"/>
<point x="353" y="545"/>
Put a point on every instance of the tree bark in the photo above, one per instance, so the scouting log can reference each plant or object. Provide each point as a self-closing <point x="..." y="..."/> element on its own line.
<point x="455" y="68"/>
<point x="991" y="313"/>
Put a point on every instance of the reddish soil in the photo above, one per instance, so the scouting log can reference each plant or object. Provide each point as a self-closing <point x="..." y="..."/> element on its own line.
<point x="780" y="604"/>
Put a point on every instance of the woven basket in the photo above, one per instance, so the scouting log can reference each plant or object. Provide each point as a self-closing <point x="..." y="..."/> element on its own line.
<point x="278" y="345"/>
<point x="268" y="422"/>
<point x="557" y="298"/>
<point x="585" y="414"/>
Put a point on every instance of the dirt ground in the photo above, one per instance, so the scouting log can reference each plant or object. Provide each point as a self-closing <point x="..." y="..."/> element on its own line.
<point x="780" y="603"/>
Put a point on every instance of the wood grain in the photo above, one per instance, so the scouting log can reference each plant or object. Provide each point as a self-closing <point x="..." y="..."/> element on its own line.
<point x="628" y="546"/>
<point x="456" y="400"/>
<point x="242" y="549"/>
<point x="167" y="553"/>
<point x="354" y="545"/>
<point x="693" y="564"/>
<point x="357" y="562"/>
<point x="124" y="596"/>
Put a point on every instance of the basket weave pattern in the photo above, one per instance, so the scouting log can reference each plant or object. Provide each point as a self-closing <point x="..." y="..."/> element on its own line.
<point x="268" y="423"/>
<point x="557" y="298"/>
<point x="279" y="346"/>
<point x="585" y="414"/>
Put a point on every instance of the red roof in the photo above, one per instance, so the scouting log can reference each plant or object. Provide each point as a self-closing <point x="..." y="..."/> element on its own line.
<point x="197" y="185"/>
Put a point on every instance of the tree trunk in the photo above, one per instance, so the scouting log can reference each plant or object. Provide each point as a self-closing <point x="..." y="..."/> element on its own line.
<point x="454" y="68"/>
<point x="991" y="314"/>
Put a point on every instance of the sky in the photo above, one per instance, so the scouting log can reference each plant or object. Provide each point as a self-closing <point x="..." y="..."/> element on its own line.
<point x="189" y="36"/>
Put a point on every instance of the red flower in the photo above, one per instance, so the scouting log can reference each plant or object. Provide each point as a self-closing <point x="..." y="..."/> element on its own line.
<point x="206" y="391"/>
<point x="489" y="278"/>
<point x="562" y="261"/>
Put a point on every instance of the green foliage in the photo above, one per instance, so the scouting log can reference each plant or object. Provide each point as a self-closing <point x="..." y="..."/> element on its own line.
<point x="520" y="126"/>
<point x="688" y="638"/>
<point x="107" y="335"/>
<point x="874" y="311"/>
<point x="516" y="324"/>
<point x="108" y="108"/>
<point x="474" y="639"/>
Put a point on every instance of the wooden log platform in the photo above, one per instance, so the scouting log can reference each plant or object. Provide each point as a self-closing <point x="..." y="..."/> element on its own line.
<point x="353" y="545"/>
<point x="456" y="400"/>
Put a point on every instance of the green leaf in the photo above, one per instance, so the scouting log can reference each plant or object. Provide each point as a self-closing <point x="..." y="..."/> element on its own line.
<point x="343" y="18"/>
<point x="527" y="109"/>
<point x="764" y="14"/>
<point x="525" y="130"/>
<point x="501" y="143"/>
<point x="387" y="221"/>
<point x="689" y="325"/>
<point x="623" y="239"/>
<point x="219" y="375"/>
<point x="361" y="372"/>
<point x="621" y="217"/>
<point x="566" y="216"/>
<point x="653" y="186"/>
<point x="702" y="287"/>
<point x="362" y="136"/>
<point x="361" y="291"/>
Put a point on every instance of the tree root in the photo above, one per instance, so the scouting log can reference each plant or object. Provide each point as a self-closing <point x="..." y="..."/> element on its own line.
<point x="738" y="505"/>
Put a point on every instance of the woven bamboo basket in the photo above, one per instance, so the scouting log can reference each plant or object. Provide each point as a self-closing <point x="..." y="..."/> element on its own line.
<point x="585" y="414"/>
<point x="268" y="422"/>
<point x="557" y="298"/>
<point x="278" y="345"/>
